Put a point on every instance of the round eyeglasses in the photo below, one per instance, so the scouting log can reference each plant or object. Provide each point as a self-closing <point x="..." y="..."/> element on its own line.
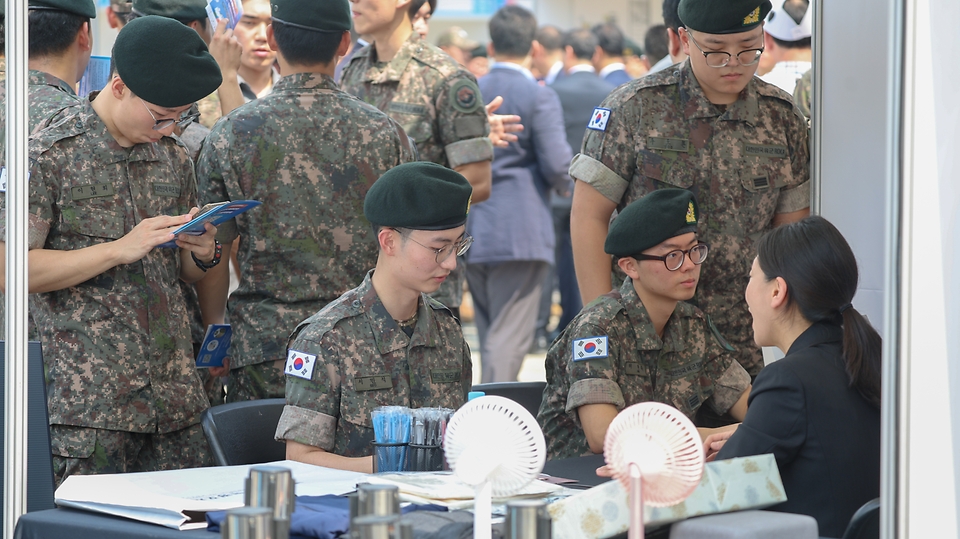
<point x="442" y="254"/>
<point x="185" y="119"/>
<point x="746" y="57"/>
<point x="674" y="259"/>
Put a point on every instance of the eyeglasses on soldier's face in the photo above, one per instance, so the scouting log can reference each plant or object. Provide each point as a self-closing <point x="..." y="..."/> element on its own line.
<point x="746" y="57"/>
<point x="674" y="259"/>
<point x="442" y="254"/>
<point x="185" y="119"/>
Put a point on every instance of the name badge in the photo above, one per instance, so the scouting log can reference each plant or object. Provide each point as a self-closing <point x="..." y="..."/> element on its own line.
<point x="445" y="376"/>
<point x="371" y="383"/>
<point x="407" y="108"/>
<point x="668" y="144"/>
<point x="761" y="150"/>
<point x="94" y="190"/>
<point x="684" y="370"/>
<point x="632" y="368"/>
<point x="166" y="190"/>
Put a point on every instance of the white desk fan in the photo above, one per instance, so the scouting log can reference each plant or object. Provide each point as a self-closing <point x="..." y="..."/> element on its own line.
<point x="494" y="445"/>
<point x="657" y="454"/>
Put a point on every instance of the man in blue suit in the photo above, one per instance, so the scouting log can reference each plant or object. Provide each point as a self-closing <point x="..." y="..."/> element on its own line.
<point x="608" y="59"/>
<point x="580" y="92"/>
<point x="513" y="228"/>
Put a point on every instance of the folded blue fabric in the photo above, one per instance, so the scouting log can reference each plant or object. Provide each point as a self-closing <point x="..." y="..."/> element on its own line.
<point x="317" y="517"/>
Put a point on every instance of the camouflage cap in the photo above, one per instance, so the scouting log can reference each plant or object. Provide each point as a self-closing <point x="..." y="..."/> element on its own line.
<point x="325" y="16"/>
<point x="83" y="8"/>
<point x="727" y="17"/>
<point x="656" y="217"/>
<point x="419" y="195"/>
<point x="164" y="62"/>
<point x="456" y="37"/>
<point x="182" y="10"/>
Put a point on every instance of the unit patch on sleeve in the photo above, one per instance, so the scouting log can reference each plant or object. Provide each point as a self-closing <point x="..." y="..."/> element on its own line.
<point x="590" y="348"/>
<point x="300" y="364"/>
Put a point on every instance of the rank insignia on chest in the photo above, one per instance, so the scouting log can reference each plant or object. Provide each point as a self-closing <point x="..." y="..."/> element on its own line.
<point x="590" y="348"/>
<point x="300" y="364"/>
<point x="598" y="122"/>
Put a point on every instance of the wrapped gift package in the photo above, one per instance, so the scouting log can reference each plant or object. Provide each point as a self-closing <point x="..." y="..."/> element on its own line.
<point x="727" y="485"/>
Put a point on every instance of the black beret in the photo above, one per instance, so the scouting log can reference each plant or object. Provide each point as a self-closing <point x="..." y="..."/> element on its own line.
<point x="316" y="15"/>
<point x="651" y="220"/>
<point x="419" y="195"/>
<point x="182" y="10"/>
<point x="723" y="16"/>
<point x="83" y="8"/>
<point x="164" y="62"/>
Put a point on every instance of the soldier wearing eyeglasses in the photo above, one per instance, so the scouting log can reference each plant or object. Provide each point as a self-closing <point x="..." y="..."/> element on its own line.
<point x="108" y="186"/>
<point x="386" y="342"/>
<point x="709" y="126"/>
<point x="643" y="342"/>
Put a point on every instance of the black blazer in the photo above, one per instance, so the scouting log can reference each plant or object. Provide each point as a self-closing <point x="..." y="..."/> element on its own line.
<point x="824" y="435"/>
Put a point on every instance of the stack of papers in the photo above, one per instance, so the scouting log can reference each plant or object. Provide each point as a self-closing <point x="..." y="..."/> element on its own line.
<point x="180" y="499"/>
<point x="442" y="488"/>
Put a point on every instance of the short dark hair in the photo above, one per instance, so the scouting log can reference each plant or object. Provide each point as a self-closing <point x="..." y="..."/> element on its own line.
<point x="415" y="6"/>
<point x="127" y="17"/>
<point x="671" y="15"/>
<point x="52" y="32"/>
<point x="656" y="43"/>
<point x="582" y="41"/>
<point x="512" y="30"/>
<point x="804" y="43"/>
<point x="550" y="37"/>
<point x="305" y="47"/>
<point x="609" y="38"/>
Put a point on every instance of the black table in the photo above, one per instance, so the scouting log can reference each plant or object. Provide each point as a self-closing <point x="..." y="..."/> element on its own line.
<point x="583" y="470"/>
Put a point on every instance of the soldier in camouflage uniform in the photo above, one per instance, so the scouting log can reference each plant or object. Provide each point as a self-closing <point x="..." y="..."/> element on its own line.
<point x="736" y="142"/>
<point x="107" y="188"/>
<point x="643" y="342"/>
<point x="436" y="101"/>
<point x="802" y="94"/>
<point x="384" y="343"/>
<point x="309" y="152"/>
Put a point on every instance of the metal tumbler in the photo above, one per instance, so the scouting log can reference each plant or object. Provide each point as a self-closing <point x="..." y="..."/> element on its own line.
<point x="272" y="487"/>
<point x="248" y="523"/>
<point x="528" y="519"/>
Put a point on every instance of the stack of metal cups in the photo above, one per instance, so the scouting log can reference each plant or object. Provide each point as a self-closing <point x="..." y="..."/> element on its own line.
<point x="375" y="513"/>
<point x="270" y="489"/>
<point x="528" y="519"/>
<point x="248" y="523"/>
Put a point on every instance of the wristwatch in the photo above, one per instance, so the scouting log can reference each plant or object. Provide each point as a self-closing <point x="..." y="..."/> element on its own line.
<point x="217" y="253"/>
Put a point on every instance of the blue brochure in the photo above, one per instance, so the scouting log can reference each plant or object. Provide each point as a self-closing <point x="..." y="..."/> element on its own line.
<point x="214" y="214"/>
<point x="224" y="9"/>
<point x="215" y="346"/>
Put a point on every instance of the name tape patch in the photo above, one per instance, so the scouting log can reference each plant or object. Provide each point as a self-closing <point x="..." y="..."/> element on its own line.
<point x="590" y="348"/>
<point x="300" y="364"/>
<point x="444" y="376"/>
<point x="371" y="383"/>
<point x="763" y="150"/>
<point x="598" y="122"/>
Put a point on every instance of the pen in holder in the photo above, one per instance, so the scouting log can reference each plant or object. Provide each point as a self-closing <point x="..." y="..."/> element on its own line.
<point x="389" y="457"/>
<point x="424" y="458"/>
<point x="391" y="430"/>
<point x="426" y="439"/>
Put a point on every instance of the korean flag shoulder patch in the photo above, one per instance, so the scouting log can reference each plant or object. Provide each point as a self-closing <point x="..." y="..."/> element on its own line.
<point x="300" y="364"/>
<point x="599" y="119"/>
<point x="590" y="348"/>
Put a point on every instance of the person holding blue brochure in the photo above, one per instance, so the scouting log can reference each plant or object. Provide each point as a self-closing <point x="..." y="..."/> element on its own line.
<point x="108" y="185"/>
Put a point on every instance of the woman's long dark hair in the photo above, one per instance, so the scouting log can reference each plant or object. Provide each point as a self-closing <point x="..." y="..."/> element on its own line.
<point x="821" y="275"/>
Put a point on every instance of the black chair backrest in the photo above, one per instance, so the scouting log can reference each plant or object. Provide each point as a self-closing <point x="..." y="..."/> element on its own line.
<point x="527" y="394"/>
<point x="39" y="461"/>
<point x="865" y="523"/>
<point x="242" y="432"/>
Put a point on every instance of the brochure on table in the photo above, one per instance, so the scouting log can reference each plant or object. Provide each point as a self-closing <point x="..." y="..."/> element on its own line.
<point x="179" y="498"/>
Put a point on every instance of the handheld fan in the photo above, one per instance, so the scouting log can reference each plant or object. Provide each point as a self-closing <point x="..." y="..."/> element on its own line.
<point x="656" y="453"/>
<point x="494" y="445"/>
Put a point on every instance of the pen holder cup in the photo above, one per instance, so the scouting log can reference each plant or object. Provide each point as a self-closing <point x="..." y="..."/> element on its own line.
<point x="389" y="457"/>
<point x="424" y="458"/>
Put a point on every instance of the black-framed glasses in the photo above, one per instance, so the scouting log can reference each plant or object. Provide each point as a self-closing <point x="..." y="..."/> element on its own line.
<point x="746" y="57"/>
<point x="442" y="254"/>
<point x="674" y="259"/>
<point x="185" y="119"/>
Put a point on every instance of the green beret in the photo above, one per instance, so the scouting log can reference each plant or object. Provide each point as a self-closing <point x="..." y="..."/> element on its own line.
<point x="164" y="62"/>
<point x="316" y="15"/>
<point x="182" y="10"/>
<point x="651" y="220"/>
<point x="723" y="17"/>
<point x="82" y="8"/>
<point x="419" y="195"/>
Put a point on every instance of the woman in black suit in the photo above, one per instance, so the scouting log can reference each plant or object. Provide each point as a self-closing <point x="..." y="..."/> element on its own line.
<point x="817" y="409"/>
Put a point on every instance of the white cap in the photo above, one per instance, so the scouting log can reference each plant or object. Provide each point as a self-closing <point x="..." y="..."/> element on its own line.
<point x="782" y="25"/>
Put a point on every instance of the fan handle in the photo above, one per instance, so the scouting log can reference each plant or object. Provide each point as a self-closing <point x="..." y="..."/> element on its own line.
<point x="482" y="507"/>
<point x="636" y="503"/>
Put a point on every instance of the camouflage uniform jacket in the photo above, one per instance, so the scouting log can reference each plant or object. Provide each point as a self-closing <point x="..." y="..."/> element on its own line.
<point x="363" y="360"/>
<point x="117" y="347"/>
<point x="309" y="152"/>
<point x="611" y="354"/>
<point x="436" y="101"/>
<point x="745" y="164"/>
